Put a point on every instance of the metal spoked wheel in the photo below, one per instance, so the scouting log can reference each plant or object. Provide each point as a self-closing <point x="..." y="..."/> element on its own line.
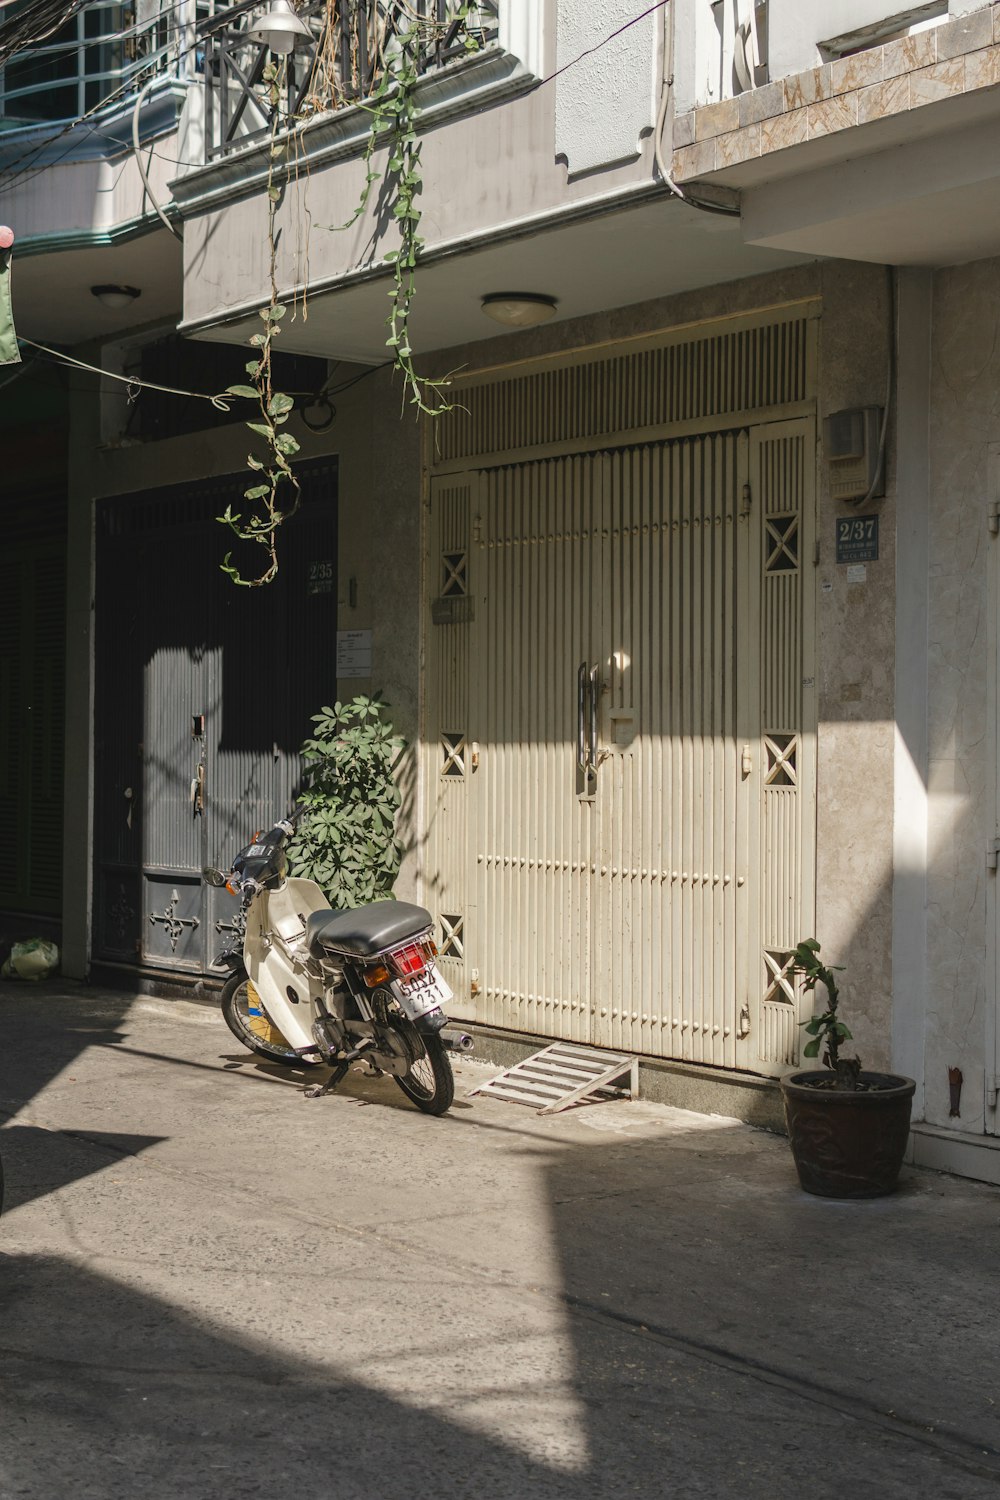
<point x="430" y="1082"/>
<point x="246" y="1018"/>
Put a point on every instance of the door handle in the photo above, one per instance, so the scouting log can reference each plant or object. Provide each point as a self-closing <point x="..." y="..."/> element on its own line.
<point x="581" y="716"/>
<point x="595" y="688"/>
<point x="588" y="688"/>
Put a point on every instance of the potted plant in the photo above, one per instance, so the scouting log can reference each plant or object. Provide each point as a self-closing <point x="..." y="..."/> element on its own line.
<point x="848" y="1128"/>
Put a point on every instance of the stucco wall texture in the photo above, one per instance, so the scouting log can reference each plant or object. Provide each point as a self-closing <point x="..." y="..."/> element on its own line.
<point x="965" y="422"/>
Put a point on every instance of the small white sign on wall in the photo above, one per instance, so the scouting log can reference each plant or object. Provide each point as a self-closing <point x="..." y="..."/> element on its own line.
<point x="354" y="653"/>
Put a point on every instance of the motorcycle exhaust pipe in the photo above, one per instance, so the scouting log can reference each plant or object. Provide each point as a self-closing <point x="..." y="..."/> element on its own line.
<point x="459" y="1042"/>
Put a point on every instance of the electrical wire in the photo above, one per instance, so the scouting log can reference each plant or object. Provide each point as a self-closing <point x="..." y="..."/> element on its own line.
<point x="220" y="401"/>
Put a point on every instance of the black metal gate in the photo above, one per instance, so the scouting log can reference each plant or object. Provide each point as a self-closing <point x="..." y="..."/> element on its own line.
<point x="203" y="695"/>
<point x="32" y="702"/>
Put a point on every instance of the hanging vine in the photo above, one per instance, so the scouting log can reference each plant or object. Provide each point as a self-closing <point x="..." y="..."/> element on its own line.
<point x="394" y="115"/>
<point x="398" y="62"/>
<point x="277" y="477"/>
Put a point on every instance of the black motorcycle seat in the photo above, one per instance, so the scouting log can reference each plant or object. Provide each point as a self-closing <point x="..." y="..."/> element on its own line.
<point x="366" y="931"/>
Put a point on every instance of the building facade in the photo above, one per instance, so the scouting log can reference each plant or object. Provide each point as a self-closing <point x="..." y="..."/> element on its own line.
<point x="687" y="608"/>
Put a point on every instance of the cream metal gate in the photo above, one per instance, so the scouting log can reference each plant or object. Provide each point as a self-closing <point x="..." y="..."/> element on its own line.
<point x="621" y="742"/>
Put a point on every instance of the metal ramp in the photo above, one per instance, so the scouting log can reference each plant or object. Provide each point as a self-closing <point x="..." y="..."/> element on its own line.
<point x="562" y="1075"/>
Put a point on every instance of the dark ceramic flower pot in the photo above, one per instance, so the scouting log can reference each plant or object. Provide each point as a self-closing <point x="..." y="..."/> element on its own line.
<point x="848" y="1144"/>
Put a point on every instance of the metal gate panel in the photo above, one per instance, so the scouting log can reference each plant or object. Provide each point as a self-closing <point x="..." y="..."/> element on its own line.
<point x="32" y="677"/>
<point x="783" y="488"/>
<point x="178" y="643"/>
<point x="449" y="753"/>
<point x="537" y="622"/>
<point x="671" y="884"/>
<point x="656" y="914"/>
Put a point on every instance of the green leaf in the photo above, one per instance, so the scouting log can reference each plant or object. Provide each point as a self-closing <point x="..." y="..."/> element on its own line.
<point x="249" y="391"/>
<point x="279" y="404"/>
<point x="261" y="427"/>
<point x="811" y="1049"/>
<point x="257" y="492"/>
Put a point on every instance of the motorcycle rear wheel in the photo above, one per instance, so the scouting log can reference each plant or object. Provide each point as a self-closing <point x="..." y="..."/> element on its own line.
<point x="247" y="1020"/>
<point x="430" y="1083"/>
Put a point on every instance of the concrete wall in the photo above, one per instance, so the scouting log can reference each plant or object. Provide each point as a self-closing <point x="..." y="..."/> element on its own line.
<point x="965" y="422"/>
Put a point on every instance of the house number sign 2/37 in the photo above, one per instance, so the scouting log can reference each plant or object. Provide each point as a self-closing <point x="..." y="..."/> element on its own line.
<point x="857" y="539"/>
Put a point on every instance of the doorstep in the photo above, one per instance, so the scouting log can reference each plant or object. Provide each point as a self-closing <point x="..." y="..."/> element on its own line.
<point x="163" y="984"/>
<point x="964" y="1155"/>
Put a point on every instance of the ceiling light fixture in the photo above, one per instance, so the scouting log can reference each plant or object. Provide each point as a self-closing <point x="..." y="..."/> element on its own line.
<point x="115" y="296"/>
<point x="519" y="309"/>
<point x="279" y="28"/>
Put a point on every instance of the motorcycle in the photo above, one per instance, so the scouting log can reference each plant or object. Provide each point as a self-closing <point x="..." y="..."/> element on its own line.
<point x="310" y="986"/>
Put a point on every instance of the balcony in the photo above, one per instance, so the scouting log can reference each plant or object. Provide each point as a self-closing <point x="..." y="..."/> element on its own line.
<point x="340" y="63"/>
<point x="880" y="147"/>
<point x="103" y="56"/>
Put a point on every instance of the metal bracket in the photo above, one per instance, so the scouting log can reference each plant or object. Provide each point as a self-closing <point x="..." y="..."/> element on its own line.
<point x="992" y="1090"/>
<point x="993" y="517"/>
<point x="993" y="855"/>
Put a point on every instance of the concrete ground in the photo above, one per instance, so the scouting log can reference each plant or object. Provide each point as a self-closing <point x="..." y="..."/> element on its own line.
<point x="211" y="1287"/>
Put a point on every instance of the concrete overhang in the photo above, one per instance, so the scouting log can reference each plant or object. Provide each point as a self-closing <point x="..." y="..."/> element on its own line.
<point x="596" y="260"/>
<point x="51" y="292"/>
<point x="887" y="156"/>
<point x="926" y="202"/>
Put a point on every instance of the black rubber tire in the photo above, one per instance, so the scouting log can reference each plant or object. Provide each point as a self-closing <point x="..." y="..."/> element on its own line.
<point x="234" y="1001"/>
<point x="430" y="1083"/>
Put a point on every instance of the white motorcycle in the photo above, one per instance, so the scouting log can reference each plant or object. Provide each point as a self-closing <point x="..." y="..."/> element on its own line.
<point x="313" y="986"/>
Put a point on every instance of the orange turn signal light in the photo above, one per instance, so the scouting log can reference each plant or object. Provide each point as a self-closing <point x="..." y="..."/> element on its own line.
<point x="376" y="974"/>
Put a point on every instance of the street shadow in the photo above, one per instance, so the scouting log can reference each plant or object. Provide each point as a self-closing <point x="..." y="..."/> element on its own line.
<point x="680" y="1343"/>
<point x="38" y="1162"/>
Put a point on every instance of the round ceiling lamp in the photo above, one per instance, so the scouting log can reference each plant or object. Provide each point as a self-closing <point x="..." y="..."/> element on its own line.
<point x="115" y="296"/>
<point x="279" y="28"/>
<point x="519" y="309"/>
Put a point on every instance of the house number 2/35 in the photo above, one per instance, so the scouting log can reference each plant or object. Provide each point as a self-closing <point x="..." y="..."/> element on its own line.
<point x="857" y="539"/>
<point x="320" y="578"/>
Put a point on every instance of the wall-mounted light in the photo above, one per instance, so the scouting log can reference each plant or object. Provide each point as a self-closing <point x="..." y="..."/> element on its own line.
<point x="519" y="309"/>
<point x="115" y="296"/>
<point x="279" y="28"/>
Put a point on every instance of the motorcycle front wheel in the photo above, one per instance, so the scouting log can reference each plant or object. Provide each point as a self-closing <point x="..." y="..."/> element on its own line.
<point x="430" y="1083"/>
<point x="246" y="1018"/>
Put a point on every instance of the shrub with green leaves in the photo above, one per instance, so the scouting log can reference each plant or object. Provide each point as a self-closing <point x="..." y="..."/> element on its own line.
<point x="346" y="836"/>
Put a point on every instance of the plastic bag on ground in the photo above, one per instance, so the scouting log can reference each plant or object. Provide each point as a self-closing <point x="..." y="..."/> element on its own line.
<point x="35" y="959"/>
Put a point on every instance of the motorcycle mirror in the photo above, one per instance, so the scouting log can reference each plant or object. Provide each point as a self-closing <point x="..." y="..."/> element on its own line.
<point x="213" y="877"/>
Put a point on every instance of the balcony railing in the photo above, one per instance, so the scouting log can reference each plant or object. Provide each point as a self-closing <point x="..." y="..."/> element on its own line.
<point x="107" y="51"/>
<point x="340" y="64"/>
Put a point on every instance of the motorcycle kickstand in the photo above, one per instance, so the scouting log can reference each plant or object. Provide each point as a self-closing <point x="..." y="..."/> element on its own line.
<point x="339" y="1073"/>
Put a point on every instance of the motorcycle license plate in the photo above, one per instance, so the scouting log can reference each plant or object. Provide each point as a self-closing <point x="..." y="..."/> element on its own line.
<point x="426" y="991"/>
